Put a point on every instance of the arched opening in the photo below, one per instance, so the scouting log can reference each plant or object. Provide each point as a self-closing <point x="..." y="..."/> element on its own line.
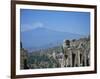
<point x="81" y="59"/>
<point x="73" y="59"/>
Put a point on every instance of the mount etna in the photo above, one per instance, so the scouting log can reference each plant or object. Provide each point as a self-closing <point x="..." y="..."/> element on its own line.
<point x="43" y="38"/>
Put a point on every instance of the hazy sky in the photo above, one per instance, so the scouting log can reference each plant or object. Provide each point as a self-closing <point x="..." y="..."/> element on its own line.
<point x="73" y="22"/>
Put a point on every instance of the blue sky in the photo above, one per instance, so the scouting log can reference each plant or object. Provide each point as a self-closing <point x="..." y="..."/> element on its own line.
<point x="73" y="22"/>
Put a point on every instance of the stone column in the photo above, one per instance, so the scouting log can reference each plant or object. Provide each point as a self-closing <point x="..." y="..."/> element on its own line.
<point x="70" y="57"/>
<point x="85" y="58"/>
<point x="66" y="58"/>
<point x="78" y="57"/>
<point x="75" y="59"/>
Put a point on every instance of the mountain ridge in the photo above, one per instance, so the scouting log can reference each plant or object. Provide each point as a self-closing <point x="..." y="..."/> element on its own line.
<point x="39" y="37"/>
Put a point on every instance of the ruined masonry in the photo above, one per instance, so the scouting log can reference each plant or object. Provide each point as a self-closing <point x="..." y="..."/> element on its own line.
<point x="76" y="53"/>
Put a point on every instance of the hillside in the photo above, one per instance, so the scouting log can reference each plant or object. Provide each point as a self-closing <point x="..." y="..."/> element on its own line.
<point x="53" y="57"/>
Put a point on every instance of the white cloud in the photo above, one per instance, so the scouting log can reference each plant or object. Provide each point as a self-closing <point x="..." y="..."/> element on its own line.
<point x="37" y="24"/>
<point x="27" y="27"/>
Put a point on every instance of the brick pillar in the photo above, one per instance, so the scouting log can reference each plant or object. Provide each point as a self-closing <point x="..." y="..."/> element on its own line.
<point x="70" y="57"/>
<point x="85" y="58"/>
<point x="78" y="57"/>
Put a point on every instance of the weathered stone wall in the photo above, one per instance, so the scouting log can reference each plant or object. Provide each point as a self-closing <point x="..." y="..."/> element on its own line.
<point x="77" y="52"/>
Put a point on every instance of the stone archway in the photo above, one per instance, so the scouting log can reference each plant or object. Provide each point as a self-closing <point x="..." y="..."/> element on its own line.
<point x="73" y="59"/>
